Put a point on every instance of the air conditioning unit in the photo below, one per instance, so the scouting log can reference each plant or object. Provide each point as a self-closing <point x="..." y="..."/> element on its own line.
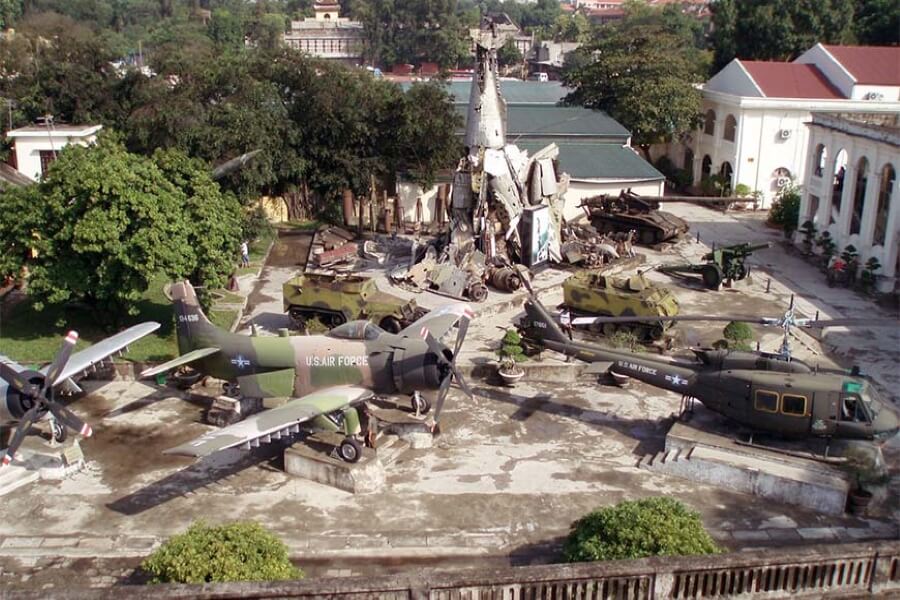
<point x="785" y="134"/>
<point x="780" y="182"/>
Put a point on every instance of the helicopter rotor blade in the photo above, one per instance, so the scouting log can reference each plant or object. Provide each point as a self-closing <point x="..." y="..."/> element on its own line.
<point x="849" y="322"/>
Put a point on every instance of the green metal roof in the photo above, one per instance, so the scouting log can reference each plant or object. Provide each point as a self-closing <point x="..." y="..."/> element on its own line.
<point x="515" y="91"/>
<point x="598" y="160"/>
<point x="558" y="123"/>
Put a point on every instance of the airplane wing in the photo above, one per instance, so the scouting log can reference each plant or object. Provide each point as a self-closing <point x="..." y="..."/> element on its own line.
<point x="438" y="321"/>
<point x="177" y="362"/>
<point x="84" y="359"/>
<point x="275" y="422"/>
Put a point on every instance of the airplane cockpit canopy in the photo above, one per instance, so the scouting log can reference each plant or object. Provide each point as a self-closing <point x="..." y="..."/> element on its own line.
<point x="356" y="330"/>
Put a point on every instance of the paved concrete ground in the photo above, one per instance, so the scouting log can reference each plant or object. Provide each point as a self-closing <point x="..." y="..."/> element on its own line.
<point x="512" y="471"/>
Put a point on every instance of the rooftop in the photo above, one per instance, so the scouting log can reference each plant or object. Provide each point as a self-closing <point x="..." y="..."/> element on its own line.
<point x="585" y="160"/>
<point x="881" y="127"/>
<point x="54" y="130"/>
<point x="790" y="80"/>
<point x="869" y="65"/>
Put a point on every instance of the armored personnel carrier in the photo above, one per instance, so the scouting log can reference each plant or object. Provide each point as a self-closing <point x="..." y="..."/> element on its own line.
<point x="611" y="214"/>
<point x="337" y="299"/>
<point x="594" y="294"/>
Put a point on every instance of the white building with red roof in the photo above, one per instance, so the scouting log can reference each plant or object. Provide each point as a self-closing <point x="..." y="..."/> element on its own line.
<point x="756" y="113"/>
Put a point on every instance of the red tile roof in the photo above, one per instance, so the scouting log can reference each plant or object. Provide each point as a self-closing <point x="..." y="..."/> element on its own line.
<point x="790" y="80"/>
<point x="870" y="65"/>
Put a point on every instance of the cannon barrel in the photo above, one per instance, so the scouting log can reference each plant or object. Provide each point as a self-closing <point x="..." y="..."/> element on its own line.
<point x="741" y="250"/>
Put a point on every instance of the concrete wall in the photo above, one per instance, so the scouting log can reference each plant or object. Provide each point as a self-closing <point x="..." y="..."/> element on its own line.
<point x="877" y="153"/>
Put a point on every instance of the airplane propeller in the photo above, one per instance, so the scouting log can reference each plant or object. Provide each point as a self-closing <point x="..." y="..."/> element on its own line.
<point x="439" y="350"/>
<point x="36" y="391"/>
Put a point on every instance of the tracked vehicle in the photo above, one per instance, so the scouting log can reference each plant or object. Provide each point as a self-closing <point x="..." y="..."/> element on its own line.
<point x="334" y="300"/>
<point x="612" y="214"/>
<point x="591" y="294"/>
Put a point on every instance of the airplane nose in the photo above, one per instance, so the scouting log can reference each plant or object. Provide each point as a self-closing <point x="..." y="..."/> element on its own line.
<point x="886" y="424"/>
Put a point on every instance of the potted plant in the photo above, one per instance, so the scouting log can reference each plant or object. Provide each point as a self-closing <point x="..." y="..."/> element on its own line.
<point x="851" y="256"/>
<point x="808" y="229"/>
<point x="828" y="247"/>
<point x="868" y="277"/>
<point x="510" y="355"/>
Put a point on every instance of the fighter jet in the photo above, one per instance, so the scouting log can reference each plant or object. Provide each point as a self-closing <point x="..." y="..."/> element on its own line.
<point x="322" y="378"/>
<point x="27" y="396"/>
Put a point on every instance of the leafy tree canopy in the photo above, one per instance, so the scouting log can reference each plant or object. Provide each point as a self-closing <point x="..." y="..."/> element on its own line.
<point x="777" y="29"/>
<point x="877" y="22"/>
<point x="233" y="552"/>
<point x="637" y="529"/>
<point x="641" y="73"/>
<point x="103" y="222"/>
<point x="508" y="53"/>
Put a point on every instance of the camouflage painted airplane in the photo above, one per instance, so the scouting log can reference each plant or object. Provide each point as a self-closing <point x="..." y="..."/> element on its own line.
<point x="27" y="396"/>
<point x="323" y="378"/>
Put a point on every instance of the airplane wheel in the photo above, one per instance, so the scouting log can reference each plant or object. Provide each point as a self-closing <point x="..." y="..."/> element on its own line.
<point x="350" y="450"/>
<point x="58" y="431"/>
<point x="336" y="319"/>
<point x="420" y="404"/>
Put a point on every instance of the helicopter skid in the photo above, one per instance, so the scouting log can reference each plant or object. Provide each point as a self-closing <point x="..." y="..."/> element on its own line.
<point x="830" y="460"/>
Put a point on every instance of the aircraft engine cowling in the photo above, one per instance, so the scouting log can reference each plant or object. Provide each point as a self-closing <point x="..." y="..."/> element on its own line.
<point x="12" y="404"/>
<point x="416" y="369"/>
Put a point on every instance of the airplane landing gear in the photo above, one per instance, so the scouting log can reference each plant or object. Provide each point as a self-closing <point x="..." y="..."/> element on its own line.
<point x="419" y="404"/>
<point x="350" y="450"/>
<point x="58" y="431"/>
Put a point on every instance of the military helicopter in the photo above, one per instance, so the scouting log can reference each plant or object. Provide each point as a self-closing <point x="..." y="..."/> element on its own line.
<point x="766" y="392"/>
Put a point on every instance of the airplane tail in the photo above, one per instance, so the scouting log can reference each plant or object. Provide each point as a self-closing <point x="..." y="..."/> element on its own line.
<point x="191" y="325"/>
<point x="539" y="323"/>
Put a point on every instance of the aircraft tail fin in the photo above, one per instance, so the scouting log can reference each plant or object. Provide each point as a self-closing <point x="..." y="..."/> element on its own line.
<point x="190" y="322"/>
<point x="538" y="322"/>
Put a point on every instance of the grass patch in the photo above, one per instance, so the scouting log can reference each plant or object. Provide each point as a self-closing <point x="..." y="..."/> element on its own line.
<point x="33" y="337"/>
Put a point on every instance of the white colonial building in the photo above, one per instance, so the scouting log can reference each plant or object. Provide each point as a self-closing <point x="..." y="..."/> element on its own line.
<point x="850" y="187"/>
<point x="755" y="113"/>
<point x="36" y="146"/>
<point x="328" y="35"/>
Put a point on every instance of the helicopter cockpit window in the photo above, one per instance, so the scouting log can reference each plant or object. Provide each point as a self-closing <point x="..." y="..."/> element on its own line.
<point x="356" y="330"/>
<point x="852" y="409"/>
<point x="793" y="405"/>
<point x="766" y="401"/>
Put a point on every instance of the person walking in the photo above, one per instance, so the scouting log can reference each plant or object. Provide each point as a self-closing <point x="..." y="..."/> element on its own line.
<point x="245" y="254"/>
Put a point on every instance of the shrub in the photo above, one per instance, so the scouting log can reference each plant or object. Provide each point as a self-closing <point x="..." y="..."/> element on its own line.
<point x="785" y="209"/>
<point x="738" y="334"/>
<point x="233" y="552"/>
<point x="636" y="529"/>
<point x="808" y="229"/>
<point x="511" y="347"/>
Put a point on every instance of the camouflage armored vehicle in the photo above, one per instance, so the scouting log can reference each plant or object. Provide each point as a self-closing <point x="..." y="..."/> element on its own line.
<point x="594" y="294"/>
<point x="334" y="300"/>
<point x="628" y="211"/>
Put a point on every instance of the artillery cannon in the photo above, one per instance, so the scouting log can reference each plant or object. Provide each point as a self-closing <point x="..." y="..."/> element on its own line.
<point x="722" y="263"/>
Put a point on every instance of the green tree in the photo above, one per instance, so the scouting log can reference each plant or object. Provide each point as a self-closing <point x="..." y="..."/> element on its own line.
<point x="10" y="10"/>
<point x="225" y="29"/>
<point x="508" y="54"/>
<point x="877" y="22"/>
<point x="234" y="552"/>
<point x="103" y="222"/>
<point x="642" y="76"/>
<point x="785" y="209"/>
<point x="637" y="529"/>
<point x="778" y="29"/>
<point x="737" y="336"/>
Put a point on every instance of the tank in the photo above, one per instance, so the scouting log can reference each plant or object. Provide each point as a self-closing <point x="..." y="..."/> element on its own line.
<point x="589" y="293"/>
<point x="611" y="214"/>
<point x="335" y="299"/>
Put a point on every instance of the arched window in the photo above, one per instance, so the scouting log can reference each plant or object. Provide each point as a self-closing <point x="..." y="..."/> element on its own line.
<point x="709" y="123"/>
<point x="819" y="161"/>
<point x="888" y="176"/>
<point x="730" y="128"/>
<point x="837" y="186"/>
<point x="706" y="167"/>
<point x="859" y="195"/>
<point x="726" y="172"/>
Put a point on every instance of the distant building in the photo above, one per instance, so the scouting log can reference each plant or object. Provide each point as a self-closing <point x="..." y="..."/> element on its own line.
<point x="850" y="186"/>
<point x="328" y="35"/>
<point x="36" y="146"/>
<point x="755" y="113"/>
<point x="508" y="30"/>
<point x="549" y="57"/>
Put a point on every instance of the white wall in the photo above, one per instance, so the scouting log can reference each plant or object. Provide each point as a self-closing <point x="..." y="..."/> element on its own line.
<point x="733" y="79"/>
<point x="28" y="151"/>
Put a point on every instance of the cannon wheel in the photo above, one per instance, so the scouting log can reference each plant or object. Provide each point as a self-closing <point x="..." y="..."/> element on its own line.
<point x="712" y="277"/>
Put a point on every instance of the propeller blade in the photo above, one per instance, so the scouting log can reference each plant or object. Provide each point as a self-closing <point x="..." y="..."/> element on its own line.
<point x="69" y="419"/>
<point x="463" y="329"/>
<point x="433" y="344"/>
<point x="21" y="430"/>
<point x="442" y="395"/>
<point x="462" y="382"/>
<point x="12" y="377"/>
<point x="59" y="361"/>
